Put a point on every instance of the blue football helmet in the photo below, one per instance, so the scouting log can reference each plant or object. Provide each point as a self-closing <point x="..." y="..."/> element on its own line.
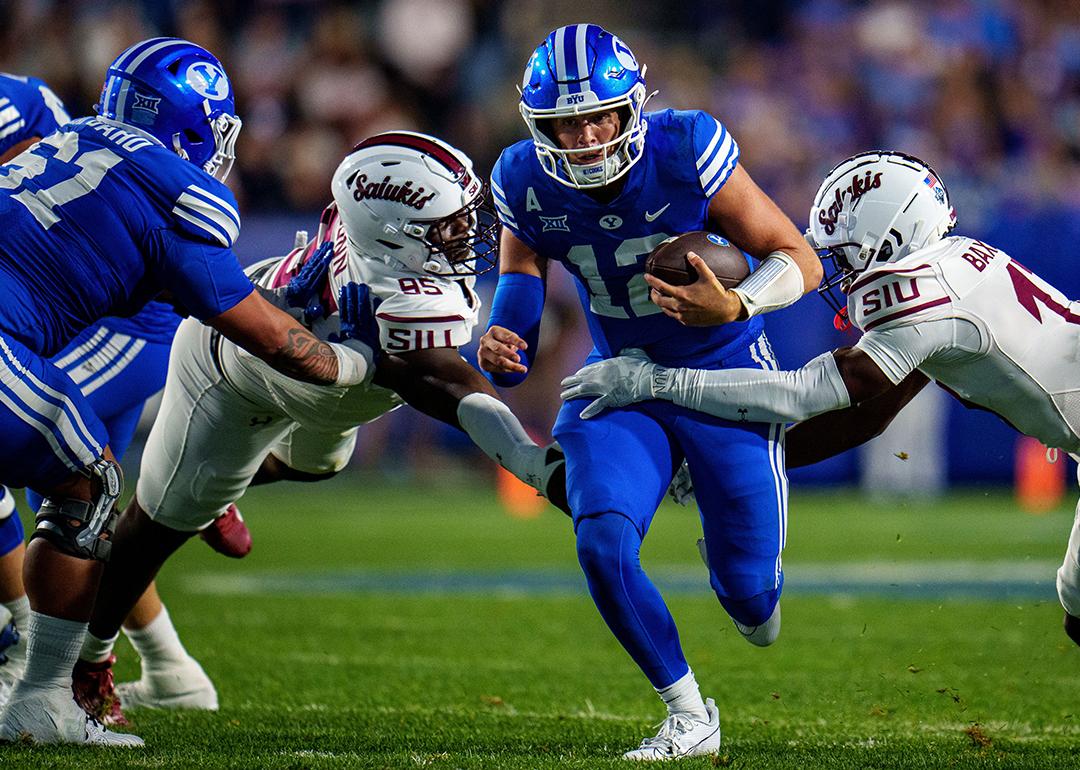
<point x="577" y="70"/>
<point x="178" y="93"/>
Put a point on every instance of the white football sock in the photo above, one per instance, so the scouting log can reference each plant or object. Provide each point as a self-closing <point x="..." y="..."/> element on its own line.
<point x="95" y="650"/>
<point x="683" y="697"/>
<point x="20" y="612"/>
<point x="52" y="650"/>
<point x="157" y="642"/>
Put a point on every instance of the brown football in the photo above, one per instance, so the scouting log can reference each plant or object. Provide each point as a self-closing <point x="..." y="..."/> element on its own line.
<point x="668" y="261"/>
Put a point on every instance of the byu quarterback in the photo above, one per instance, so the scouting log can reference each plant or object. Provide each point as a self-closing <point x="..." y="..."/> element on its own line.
<point x="117" y="364"/>
<point x="411" y="225"/>
<point x="950" y="309"/>
<point x="96" y="219"/>
<point x="600" y="183"/>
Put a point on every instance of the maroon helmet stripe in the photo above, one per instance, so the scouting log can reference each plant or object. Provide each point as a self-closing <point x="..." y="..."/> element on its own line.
<point x="416" y="143"/>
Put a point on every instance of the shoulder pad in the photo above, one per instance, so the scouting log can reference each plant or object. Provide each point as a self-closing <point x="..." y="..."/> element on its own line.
<point x="205" y="210"/>
<point x="896" y="295"/>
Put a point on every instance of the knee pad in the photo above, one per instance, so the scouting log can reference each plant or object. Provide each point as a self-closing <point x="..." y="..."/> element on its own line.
<point x="84" y="528"/>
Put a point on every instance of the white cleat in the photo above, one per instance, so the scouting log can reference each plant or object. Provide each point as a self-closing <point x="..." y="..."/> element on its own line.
<point x="759" y="636"/>
<point x="51" y="715"/>
<point x="763" y="635"/>
<point x="681" y="735"/>
<point x="179" y="686"/>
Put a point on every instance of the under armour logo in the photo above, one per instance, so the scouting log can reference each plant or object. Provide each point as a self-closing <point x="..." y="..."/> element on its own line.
<point x="742" y="415"/>
<point x="148" y="103"/>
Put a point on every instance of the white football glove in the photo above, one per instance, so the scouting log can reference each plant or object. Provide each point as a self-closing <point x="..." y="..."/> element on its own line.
<point x="619" y="381"/>
<point x="682" y="486"/>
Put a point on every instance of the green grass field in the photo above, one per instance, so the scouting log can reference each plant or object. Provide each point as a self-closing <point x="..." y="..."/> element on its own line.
<point x="422" y="627"/>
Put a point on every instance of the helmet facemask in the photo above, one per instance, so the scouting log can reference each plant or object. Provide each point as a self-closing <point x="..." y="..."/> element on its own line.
<point x="464" y="243"/>
<point x="618" y="154"/>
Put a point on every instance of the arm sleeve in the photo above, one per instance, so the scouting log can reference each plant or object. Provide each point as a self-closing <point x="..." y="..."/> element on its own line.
<point x="716" y="153"/>
<point x="518" y="306"/>
<point x="752" y="395"/>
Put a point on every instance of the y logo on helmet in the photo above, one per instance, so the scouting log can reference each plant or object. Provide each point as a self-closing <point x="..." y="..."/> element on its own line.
<point x="859" y="186"/>
<point x="207" y="80"/>
<point x="623" y="54"/>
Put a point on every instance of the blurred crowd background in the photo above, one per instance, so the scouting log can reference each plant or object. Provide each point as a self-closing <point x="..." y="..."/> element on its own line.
<point x="987" y="91"/>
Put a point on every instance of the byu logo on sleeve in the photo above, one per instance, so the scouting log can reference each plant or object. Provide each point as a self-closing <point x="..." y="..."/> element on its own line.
<point x="208" y="80"/>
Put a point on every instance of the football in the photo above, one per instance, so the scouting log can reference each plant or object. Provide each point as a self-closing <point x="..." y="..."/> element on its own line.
<point x="668" y="261"/>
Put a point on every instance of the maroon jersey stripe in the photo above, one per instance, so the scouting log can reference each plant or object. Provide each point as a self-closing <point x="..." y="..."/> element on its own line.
<point x="907" y="311"/>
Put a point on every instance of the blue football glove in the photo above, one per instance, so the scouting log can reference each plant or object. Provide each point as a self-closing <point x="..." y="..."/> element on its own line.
<point x="303" y="290"/>
<point x="356" y="308"/>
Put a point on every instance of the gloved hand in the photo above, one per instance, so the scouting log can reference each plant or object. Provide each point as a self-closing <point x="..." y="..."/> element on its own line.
<point x="304" y="290"/>
<point x="356" y="309"/>
<point x="618" y="381"/>
<point x="681" y="489"/>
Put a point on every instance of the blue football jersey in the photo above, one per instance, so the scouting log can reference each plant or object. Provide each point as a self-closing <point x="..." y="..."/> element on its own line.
<point x="97" y="219"/>
<point x="28" y="108"/>
<point x="688" y="156"/>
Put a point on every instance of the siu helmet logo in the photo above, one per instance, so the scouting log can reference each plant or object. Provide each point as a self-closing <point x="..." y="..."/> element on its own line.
<point x="207" y="80"/>
<point x="387" y="189"/>
<point x="859" y="186"/>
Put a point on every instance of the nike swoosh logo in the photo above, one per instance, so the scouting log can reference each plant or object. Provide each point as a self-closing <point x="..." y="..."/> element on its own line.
<point x="650" y="217"/>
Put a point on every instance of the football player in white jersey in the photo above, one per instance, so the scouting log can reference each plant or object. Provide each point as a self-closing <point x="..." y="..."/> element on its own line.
<point x="411" y="225"/>
<point x="951" y="309"/>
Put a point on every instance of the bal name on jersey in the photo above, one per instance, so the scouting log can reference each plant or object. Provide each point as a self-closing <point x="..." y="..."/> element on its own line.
<point x="98" y="218"/>
<point x="688" y="156"/>
<point x="1025" y="363"/>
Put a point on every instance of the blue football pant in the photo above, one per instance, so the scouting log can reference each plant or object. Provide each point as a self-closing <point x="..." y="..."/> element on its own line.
<point x="619" y="465"/>
<point x="116" y="373"/>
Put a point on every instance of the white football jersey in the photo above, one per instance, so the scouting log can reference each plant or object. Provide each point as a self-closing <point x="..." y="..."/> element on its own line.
<point x="417" y="312"/>
<point x="985" y="327"/>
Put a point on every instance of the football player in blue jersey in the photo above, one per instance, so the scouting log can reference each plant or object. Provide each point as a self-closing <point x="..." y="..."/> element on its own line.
<point x="598" y="186"/>
<point x="118" y="364"/>
<point x="96" y="219"/>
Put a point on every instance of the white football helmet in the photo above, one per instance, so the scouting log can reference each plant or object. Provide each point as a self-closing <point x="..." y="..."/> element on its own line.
<point x="876" y="207"/>
<point x="412" y="200"/>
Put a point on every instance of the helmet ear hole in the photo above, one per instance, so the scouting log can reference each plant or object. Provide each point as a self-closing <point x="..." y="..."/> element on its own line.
<point x="192" y="137"/>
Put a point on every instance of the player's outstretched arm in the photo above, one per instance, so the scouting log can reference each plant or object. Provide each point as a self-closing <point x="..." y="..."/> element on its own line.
<point x="830" y="381"/>
<point x="752" y="221"/>
<point x="439" y="383"/>
<point x="274" y="336"/>
<point x="831" y="433"/>
<point x="509" y="344"/>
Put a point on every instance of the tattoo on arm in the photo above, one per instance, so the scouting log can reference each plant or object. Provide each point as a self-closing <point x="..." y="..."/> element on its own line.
<point x="305" y="357"/>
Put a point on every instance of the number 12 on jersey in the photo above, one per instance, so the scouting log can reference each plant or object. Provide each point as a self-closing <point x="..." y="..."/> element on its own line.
<point x="630" y="252"/>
